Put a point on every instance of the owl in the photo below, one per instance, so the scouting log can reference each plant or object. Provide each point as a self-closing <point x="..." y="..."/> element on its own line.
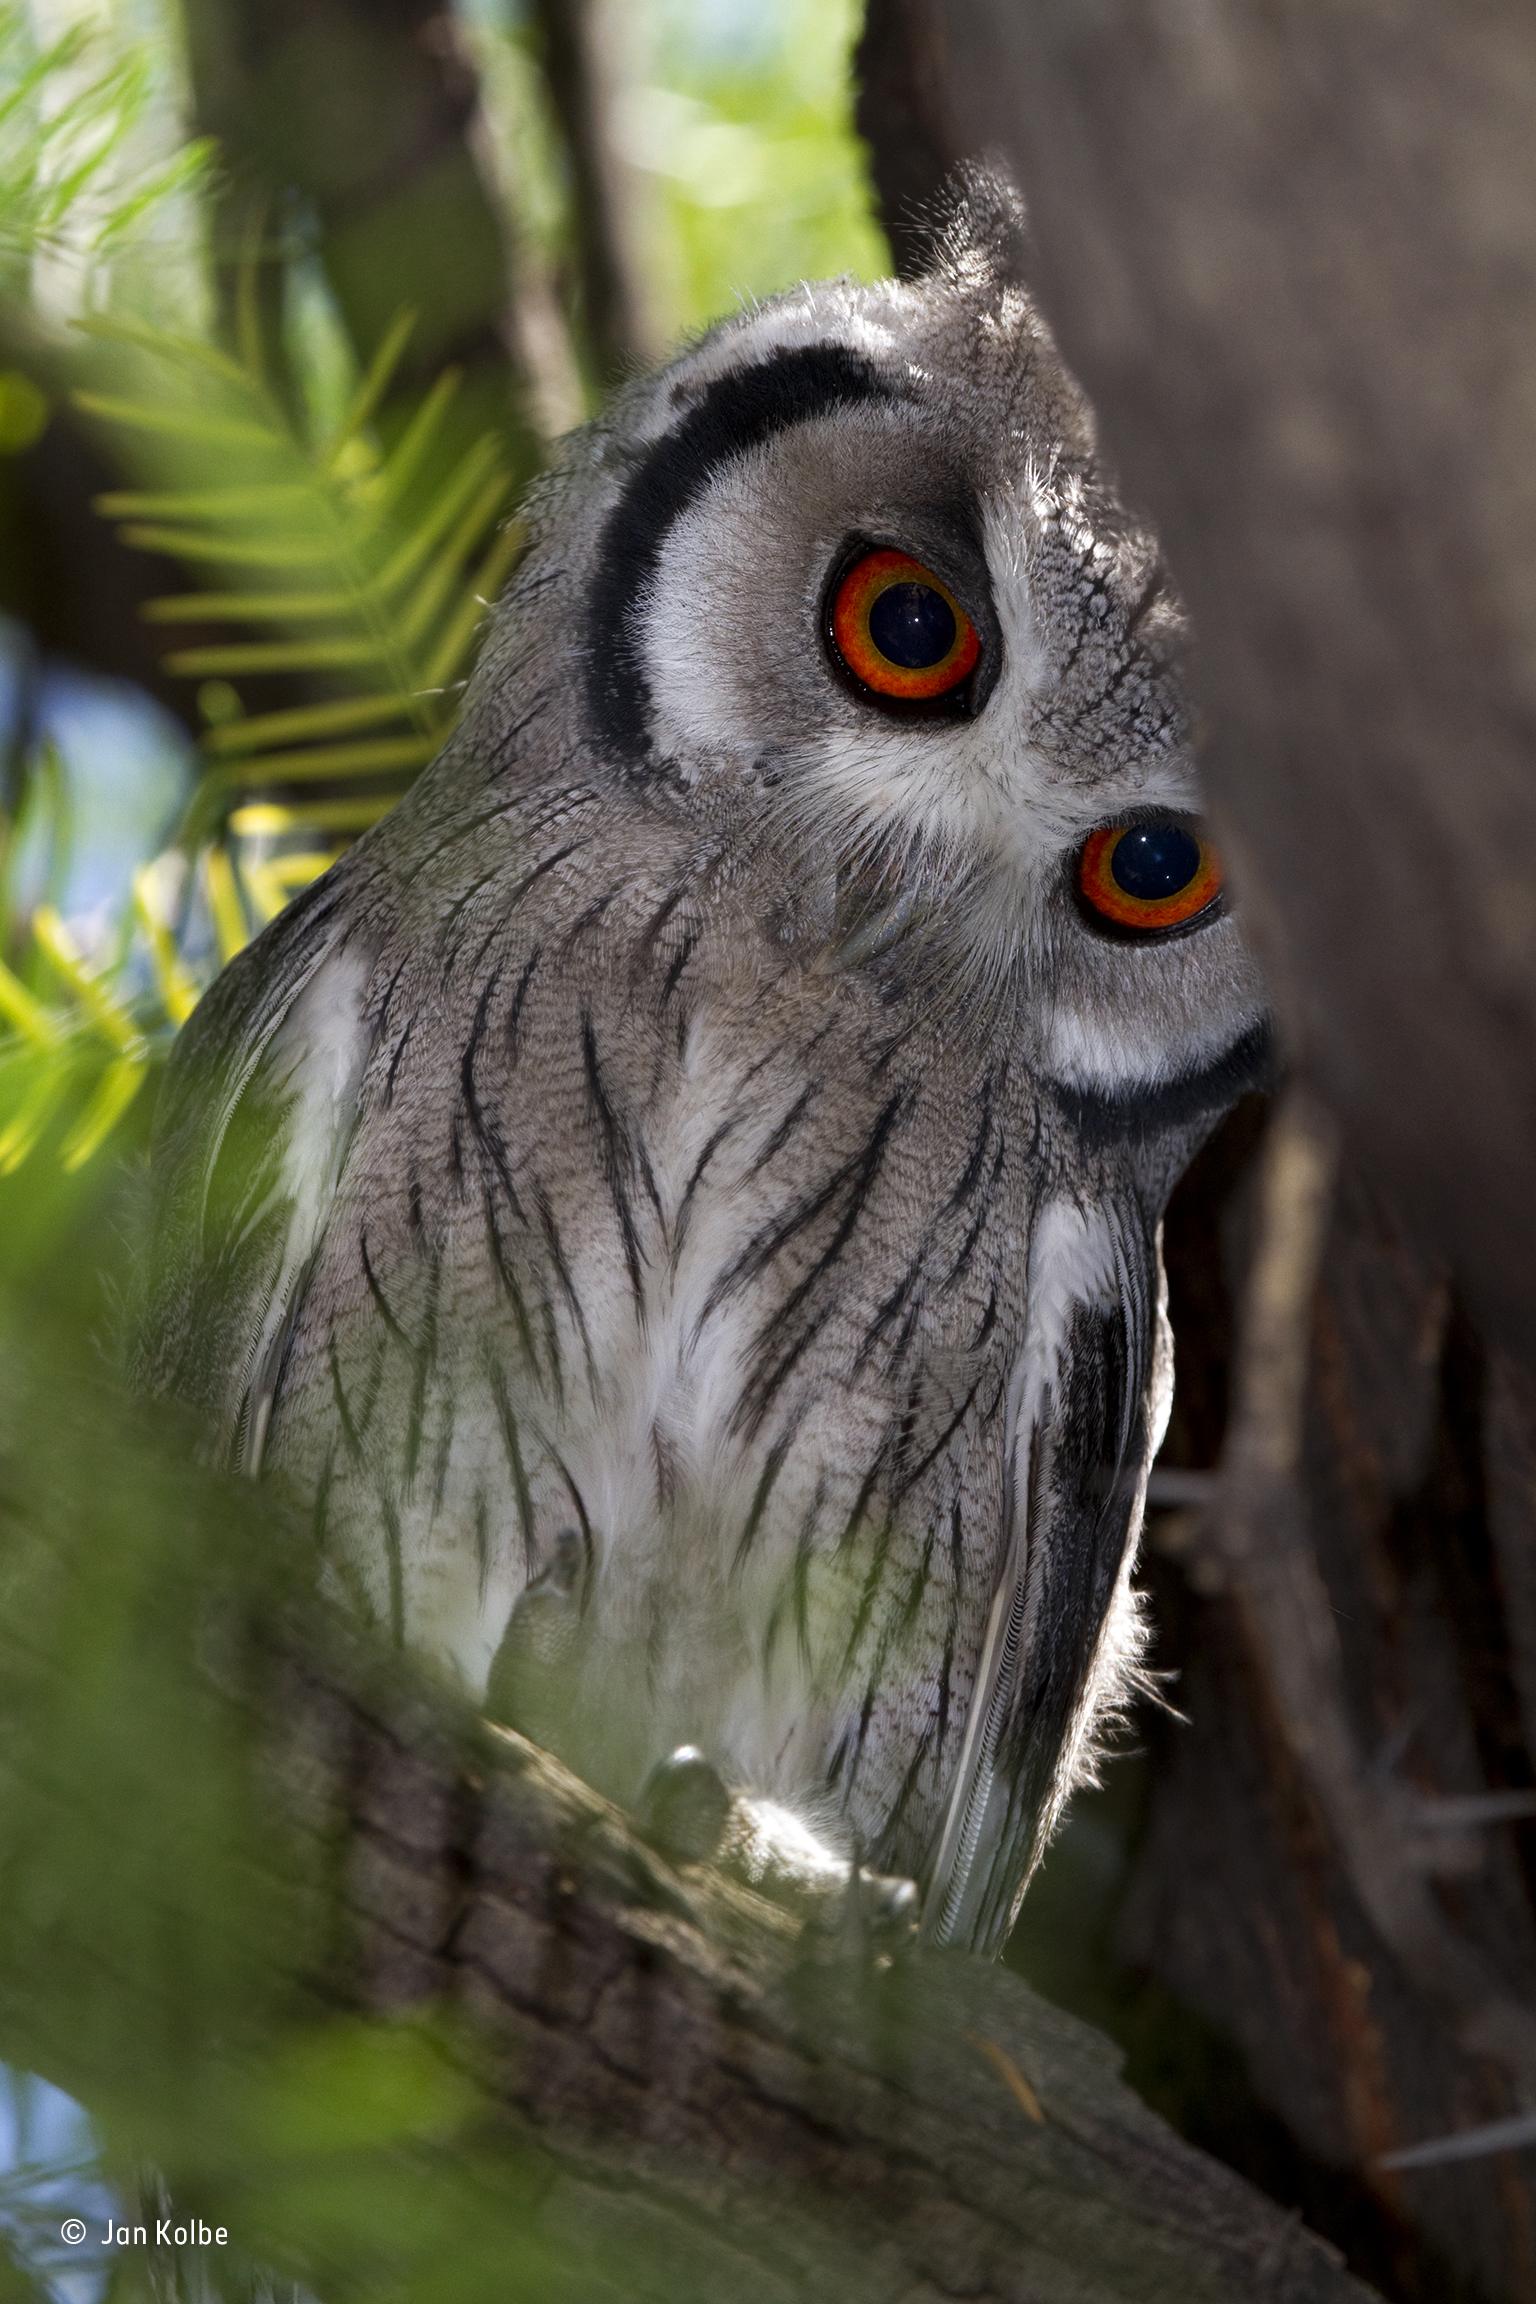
<point x="678" y="1203"/>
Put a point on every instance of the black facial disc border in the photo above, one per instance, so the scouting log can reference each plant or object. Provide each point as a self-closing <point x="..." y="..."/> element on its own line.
<point x="1102" y="1118"/>
<point x="736" y="414"/>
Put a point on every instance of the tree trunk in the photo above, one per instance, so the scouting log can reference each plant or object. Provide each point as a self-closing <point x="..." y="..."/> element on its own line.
<point x="1289" y="250"/>
<point x="389" y="182"/>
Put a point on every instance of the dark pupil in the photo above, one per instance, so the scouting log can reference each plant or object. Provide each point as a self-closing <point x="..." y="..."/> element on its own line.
<point x="1154" y="861"/>
<point x="912" y="625"/>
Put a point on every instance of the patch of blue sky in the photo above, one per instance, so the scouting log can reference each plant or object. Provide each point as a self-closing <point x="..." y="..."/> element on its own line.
<point x="117" y="776"/>
<point x="49" y="2173"/>
<point x="732" y="32"/>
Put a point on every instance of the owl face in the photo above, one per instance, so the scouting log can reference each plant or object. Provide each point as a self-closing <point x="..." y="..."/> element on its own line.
<point x="860" y="589"/>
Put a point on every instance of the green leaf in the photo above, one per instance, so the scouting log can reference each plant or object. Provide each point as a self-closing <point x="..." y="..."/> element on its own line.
<point x="395" y="569"/>
<point x="264" y="728"/>
<point x="244" y="551"/>
<point x="179" y="423"/>
<point x="322" y="762"/>
<point x="356" y="2085"/>
<point x="366" y="399"/>
<point x="264" y="656"/>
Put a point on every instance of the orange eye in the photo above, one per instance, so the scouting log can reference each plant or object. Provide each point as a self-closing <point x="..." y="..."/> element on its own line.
<point x="1149" y="877"/>
<point x="900" y="630"/>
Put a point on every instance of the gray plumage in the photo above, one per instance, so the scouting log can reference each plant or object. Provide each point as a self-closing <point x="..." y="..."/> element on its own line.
<point x="695" y="1168"/>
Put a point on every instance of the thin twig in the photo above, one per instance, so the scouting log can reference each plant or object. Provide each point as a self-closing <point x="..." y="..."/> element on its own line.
<point x="1513" y="2135"/>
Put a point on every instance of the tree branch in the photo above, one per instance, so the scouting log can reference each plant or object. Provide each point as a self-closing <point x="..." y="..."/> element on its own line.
<point x="404" y="210"/>
<point x="919" y="2128"/>
<point x="578" y="39"/>
<point x="654" y="2061"/>
<point x="905" y="115"/>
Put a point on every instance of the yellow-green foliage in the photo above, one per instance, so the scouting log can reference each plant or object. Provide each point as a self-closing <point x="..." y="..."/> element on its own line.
<point x="67" y="108"/>
<point x="334" y="580"/>
<point x="750" y="150"/>
<point x="321" y="563"/>
<point x="161" y="1937"/>
<point x="335" y="566"/>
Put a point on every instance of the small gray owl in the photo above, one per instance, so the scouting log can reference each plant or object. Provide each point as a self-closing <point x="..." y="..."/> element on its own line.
<point x="679" y="1200"/>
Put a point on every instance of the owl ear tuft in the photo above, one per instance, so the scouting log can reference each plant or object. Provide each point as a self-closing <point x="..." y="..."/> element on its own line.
<point x="980" y="232"/>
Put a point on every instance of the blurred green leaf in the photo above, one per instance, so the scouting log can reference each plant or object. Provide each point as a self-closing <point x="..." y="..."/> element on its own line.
<point x="165" y="1936"/>
<point x="165" y="1941"/>
<point x="354" y="2085"/>
<point x="395" y="555"/>
<point x="68" y="107"/>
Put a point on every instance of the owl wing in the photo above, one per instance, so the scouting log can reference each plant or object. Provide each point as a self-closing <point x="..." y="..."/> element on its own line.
<point x="1083" y="1424"/>
<point x="258" y="1110"/>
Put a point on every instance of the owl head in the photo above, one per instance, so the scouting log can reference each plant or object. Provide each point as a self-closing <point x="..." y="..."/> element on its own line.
<point x="847" y="581"/>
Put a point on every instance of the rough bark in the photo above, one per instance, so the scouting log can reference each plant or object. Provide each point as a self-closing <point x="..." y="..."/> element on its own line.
<point x="1289" y="250"/>
<point x="770" y="2123"/>
<point x="1352" y="1784"/>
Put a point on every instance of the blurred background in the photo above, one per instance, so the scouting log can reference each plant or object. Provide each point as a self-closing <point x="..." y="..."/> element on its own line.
<point x="293" y="300"/>
<point x="293" y="296"/>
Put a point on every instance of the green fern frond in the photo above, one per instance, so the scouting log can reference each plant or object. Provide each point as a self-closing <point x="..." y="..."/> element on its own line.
<point x="361" y="575"/>
<point x="81" y="1036"/>
<point x="78" y="1056"/>
<point x="173" y="983"/>
<point x="68" y="108"/>
<point x="363" y="571"/>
